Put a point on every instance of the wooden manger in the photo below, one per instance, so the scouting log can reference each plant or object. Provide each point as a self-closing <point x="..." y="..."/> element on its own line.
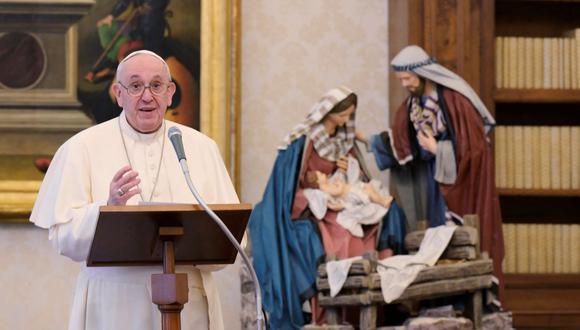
<point x="467" y="277"/>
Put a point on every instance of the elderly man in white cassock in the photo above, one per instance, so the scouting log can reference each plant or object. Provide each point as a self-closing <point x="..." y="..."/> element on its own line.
<point x="126" y="161"/>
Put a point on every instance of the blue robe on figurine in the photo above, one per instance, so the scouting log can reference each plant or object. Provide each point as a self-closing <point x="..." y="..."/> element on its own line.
<point x="286" y="252"/>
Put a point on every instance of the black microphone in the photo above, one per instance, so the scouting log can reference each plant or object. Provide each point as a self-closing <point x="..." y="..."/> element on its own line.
<point x="174" y="135"/>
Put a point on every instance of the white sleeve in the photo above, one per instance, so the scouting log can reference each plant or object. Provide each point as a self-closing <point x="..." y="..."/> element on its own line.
<point x="64" y="204"/>
<point x="74" y="238"/>
<point x="445" y="165"/>
<point x="317" y="202"/>
<point x="353" y="170"/>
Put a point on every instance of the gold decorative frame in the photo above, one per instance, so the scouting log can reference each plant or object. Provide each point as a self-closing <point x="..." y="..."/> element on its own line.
<point x="38" y="119"/>
<point x="220" y="87"/>
<point x="236" y="62"/>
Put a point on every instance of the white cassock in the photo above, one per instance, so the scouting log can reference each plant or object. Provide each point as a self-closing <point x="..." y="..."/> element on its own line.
<point x="77" y="184"/>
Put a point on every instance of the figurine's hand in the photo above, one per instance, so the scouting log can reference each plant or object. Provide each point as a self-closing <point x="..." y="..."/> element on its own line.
<point x="427" y="142"/>
<point x="376" y="197"/>
<point x="369" y="190"/>
<point x="361" y="137"/>
<point x="342" y="163"/>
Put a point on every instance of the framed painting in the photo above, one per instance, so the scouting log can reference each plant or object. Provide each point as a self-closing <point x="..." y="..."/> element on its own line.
<point x="57" y="66"/>
<point x="115" y="28"/>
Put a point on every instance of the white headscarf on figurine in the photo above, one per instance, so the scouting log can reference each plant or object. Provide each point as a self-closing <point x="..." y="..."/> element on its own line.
<point x="330" y="148"/>
<point x="414" y="59"/>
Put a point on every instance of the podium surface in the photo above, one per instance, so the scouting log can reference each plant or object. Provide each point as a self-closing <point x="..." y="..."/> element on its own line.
<point x="129" y="235"/>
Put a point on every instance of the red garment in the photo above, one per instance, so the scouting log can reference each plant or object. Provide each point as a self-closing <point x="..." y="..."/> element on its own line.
<point x="474" y="190"/>
<point x="337" y="240"/>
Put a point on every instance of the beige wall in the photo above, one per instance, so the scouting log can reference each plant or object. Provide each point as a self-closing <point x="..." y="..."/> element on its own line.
<point x="292" y="53"/>
<point x="36" y="285"/>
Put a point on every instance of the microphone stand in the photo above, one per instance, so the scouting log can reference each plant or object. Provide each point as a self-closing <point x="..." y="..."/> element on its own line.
<point x="219" y="222"/>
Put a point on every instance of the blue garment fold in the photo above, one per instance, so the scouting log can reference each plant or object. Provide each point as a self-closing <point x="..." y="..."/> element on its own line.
<point x="436" y="206"/>
<point x="382" y="152"/>
<point x="393" y="231"/>
<point x="285" y="251"/>
<point x="380" y="146"/>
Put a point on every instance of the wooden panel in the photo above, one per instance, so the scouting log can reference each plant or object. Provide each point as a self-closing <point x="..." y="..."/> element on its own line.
<point x="539" y="192"/>
<point x="441" y="30"/>
<point x="453" y="37"/>
<point x="404" y="29"/>
<point x="536" y="18"/>
<point x="541" y="320"/>
<point x="543" y="301"/>
<point x="543" y="281"/>
<point x="128" y="235"/>
<point x="538" y="96"/>
<point x="487" y="51"/>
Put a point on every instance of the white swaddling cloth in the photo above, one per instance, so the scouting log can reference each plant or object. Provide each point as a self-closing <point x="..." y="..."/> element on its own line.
<point x="337" y="272"/>
<point x="398" y="272"/>
<point x="357" y="209"/>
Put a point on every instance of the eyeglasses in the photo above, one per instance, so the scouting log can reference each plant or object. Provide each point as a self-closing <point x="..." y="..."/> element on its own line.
<point x="137" y="88"/>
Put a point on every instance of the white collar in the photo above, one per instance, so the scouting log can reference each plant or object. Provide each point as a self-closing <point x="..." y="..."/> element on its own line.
<point x="133" y="134"/>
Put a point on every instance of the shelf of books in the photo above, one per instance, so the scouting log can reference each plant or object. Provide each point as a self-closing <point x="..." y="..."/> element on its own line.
<point x="537" y="158"/>
<point x="534" y="68"/>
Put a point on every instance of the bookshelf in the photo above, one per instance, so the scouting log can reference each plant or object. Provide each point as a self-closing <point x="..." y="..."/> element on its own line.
<point x="556" y="96"/>
<point x="539" y="192"/>
<point x="544" y="300"/>
<point x="540" y="294"/>
<point x="461" y="35"/>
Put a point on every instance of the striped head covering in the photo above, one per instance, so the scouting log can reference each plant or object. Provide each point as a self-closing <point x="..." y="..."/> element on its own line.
<point x="415" y="59"/>
<point x="327" y="147"/>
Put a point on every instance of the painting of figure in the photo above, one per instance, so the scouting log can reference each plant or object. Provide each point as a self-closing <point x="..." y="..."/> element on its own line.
<point x="115" y="28"/>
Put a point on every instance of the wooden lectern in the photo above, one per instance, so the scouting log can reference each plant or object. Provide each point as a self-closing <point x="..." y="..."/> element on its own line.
<point x="167" y="234"/>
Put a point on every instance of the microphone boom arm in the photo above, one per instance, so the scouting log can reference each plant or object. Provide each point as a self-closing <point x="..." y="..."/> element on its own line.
<point x="231" y="238"/>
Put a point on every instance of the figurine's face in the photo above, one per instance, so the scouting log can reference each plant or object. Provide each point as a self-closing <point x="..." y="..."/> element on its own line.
<point x="145" y="111"/>
<point x="340" y="118"/>
<point x="411" y="82"/>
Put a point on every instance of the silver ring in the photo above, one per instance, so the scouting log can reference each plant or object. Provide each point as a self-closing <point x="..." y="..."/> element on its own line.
<point x="120" y="192"/>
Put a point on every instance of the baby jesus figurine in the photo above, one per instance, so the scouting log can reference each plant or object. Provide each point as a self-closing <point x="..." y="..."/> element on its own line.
<point x="357" y="203"/>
